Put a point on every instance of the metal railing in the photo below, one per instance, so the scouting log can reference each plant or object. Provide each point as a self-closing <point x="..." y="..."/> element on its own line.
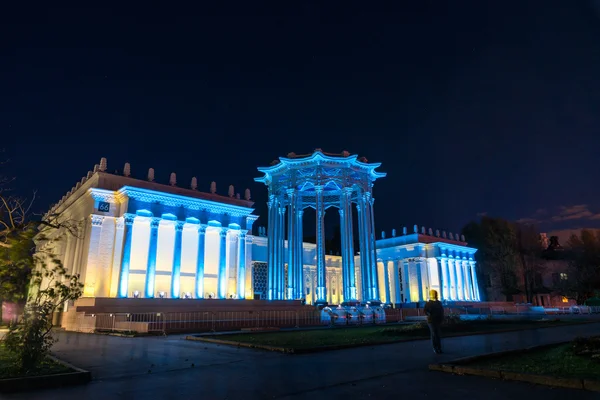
<point x="220" y="321"/>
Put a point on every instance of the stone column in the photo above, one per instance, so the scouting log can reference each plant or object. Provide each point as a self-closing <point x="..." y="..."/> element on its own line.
<point x="176" y="272"/>
<point x="467" y="281"/>
<point x="117" y="256"/>
<point x="364" y="248"/>
<point x="222" y="279"/>
<point x="300" y="292"/>
<point x="398" y="293"/>
<point x="349" y="277"/>
<point x="92" y="266"/>
<point x="281" y="246"/>
<point x="406" y="280"/>
<point x="69" y="253"/>
<point x="152" y="248"/>
<point x="200" y="262"/>
<point x="475" y="283"/>
<point x="460" y="281"/>
<point x="292" y="248"/>
<point x="386" y="280"/>
<point x="80" y="232"/>
<point x="344" y="246"/>
<point x="372" y="248"/>
<point x="126" y="259"/>
<point x="241" y="270"/>
<point x="443" y="279"/>
<point x="419" y="270"/>
<point x="440" y="279"/>
<point x="271" y="248"/>
<point x="247" y="284"/>
<point x="454" y="273"/>
<point x="321" y="278"/>
<point x="425" y="278"/>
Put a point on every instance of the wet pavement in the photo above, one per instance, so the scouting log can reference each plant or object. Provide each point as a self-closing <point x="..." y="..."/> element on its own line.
<point x="173" y="368"/>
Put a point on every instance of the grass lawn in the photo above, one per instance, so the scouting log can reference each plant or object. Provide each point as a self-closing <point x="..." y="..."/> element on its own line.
<point x="8" y="370"/>
<point x="557" y="361"/>
<point x="373" y="334"/>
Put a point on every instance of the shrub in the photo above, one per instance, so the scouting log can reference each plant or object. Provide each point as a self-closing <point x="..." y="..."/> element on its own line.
<point x="587" y="346"/>
<point x="30" y="340"/>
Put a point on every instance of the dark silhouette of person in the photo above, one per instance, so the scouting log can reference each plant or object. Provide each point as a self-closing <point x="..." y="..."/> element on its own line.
<point x="435" y="316"/>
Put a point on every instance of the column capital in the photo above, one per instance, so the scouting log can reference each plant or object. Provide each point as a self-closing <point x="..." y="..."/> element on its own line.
<point x="129" y="218"/>
<point x="291" y="191"/>
<point x="348" y="190"/>
<point x="319" y="188"/>
<point x="97" y="220"/>
<point x="155" y="222"/>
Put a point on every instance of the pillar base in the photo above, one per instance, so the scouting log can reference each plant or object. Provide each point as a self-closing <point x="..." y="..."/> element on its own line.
<point x="321" y="294"/>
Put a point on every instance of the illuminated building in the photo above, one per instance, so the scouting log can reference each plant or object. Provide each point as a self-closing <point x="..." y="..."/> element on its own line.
<point x="141" y="239"/>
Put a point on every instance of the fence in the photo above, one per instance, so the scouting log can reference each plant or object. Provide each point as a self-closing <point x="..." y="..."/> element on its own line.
<point x="213" y="321"/>
<point x="219" y="321"/>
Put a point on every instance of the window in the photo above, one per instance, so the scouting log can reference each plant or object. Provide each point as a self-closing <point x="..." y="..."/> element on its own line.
<point x="565" y="300"/>
<point x="563" y="276"/>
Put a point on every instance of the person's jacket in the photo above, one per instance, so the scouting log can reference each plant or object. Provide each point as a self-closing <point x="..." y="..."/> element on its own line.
<point x="434" y="311"/>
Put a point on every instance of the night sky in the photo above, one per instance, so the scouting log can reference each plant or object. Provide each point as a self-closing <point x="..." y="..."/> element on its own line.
<point x="473" y="107"/>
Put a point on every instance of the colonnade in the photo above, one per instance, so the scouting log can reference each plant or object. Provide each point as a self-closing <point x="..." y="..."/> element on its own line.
<point x="121" y="240"/>
<point x="410" y="279"/>
<point x="278" y="289"/>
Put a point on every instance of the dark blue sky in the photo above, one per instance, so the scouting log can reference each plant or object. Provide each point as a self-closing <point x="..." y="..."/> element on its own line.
<point x="472" y="107"/>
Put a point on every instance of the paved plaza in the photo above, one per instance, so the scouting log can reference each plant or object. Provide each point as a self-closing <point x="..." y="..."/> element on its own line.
<point x="173" y="368"/>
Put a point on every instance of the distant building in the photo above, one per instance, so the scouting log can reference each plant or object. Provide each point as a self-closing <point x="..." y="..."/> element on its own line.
<point x="552" y="268"/>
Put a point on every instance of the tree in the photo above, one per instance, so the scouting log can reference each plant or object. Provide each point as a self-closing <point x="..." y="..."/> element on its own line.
<point x="19" y="232"/>
<point x="16" y="248"/>
<point x="529" y="249"/>
<point x="30" y="341"/>
<point x="497" y="255"/>
<point x="50" y="286"/>
<point x="583" y="273"/>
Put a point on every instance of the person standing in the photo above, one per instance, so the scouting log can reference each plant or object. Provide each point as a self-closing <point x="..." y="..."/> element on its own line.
<point x="435" y="317"/>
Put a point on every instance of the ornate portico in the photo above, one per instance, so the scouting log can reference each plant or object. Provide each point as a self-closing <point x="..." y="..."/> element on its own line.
<point x="320" y="181"/>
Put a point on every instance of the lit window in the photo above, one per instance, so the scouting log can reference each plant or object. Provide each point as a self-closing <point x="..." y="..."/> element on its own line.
<point x="565" y="300"/>
<point x="563" y="276"/>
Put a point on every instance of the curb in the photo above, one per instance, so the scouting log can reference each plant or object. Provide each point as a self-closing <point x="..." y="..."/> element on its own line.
<point x="78" y="377"/>
<point x="291" y="350"/>
<point x="456" y="367"/>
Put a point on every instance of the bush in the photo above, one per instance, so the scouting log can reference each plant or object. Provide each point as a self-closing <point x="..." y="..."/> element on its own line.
<point x="452" y="319"/>
<point x="30" y="341"/>
<point x="587" y="346"/>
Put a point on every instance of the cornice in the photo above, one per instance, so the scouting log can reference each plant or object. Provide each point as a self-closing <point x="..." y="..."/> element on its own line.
<point x="173" y="200"/>
<point x="104" y="195"/>
<point x="318" y="158"/>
